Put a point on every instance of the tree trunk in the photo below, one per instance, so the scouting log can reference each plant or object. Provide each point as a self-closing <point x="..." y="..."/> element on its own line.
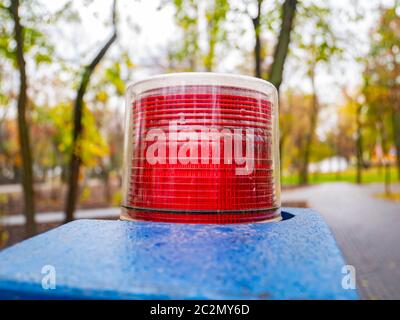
<point x="386" y="163"/>
<point x="359" y="146"/>
<point x="107" y="187"/>
<point x="282" y="140"/>
<point x="282" y="47"/>
<point x="283" y="135"/>
<point x="396" y="137"/>
<point x="257" y="45"/>
<point x="75" y="162"/>
<point x="310" y="134"/>
<point x="388" y="189"/>
<point x="307" y="149"/>
<point x="23" y="128"/>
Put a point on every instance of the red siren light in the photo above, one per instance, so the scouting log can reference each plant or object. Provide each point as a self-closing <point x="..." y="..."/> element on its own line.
<point x="201" y="148"/>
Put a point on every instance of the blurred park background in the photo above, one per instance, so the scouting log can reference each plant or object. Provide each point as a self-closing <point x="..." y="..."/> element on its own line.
<point x="64" y="67"/>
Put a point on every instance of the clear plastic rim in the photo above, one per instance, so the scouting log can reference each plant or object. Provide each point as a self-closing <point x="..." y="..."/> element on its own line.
<point x="275" y="216"/>
<point x="203" y="78"/>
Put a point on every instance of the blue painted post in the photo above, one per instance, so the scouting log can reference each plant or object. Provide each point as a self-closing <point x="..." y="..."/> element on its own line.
<point x="296" y="258"/>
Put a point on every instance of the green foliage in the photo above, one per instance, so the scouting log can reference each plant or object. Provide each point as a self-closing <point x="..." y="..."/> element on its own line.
<point x="56" y="122"/>
<point x="188" y="55"/>
<point x="215" y="16"/>
<point x="370" y="175"/>
<point x="36" y="42"/>
<point x="113" y="75"/>
<point x="92" y="146"/>
<point x="187" y="19"/>
<point x="315" y="36"/>
<point x="271" y="19"/>
<point x="294" y="122"/>
<point x="381" y="78"/>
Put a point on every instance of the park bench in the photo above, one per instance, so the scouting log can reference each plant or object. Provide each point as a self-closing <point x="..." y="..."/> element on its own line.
<point x="296" y="258"/>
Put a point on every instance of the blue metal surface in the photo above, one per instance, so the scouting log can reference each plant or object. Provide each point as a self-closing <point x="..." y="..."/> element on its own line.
<point x="297" y="258"/>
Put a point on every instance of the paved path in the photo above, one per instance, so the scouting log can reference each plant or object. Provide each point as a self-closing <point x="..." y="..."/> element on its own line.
<point x="366" y="228"/>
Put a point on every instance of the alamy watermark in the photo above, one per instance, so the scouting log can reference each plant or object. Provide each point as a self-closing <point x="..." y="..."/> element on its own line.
<point x="202" y="145"/>
<point x="349" y="278"/>
<point x="49" y="277"/>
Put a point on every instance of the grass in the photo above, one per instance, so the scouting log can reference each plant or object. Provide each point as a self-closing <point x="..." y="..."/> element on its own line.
<point x="368" y="176"/>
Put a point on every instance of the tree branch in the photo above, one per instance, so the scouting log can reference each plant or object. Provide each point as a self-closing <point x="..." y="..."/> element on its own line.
<point x="75" y="162"/>
<point x="282" y="47"/>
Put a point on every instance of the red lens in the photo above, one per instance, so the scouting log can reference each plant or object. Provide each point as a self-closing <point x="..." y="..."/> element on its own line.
<point x="201" y="154"/>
